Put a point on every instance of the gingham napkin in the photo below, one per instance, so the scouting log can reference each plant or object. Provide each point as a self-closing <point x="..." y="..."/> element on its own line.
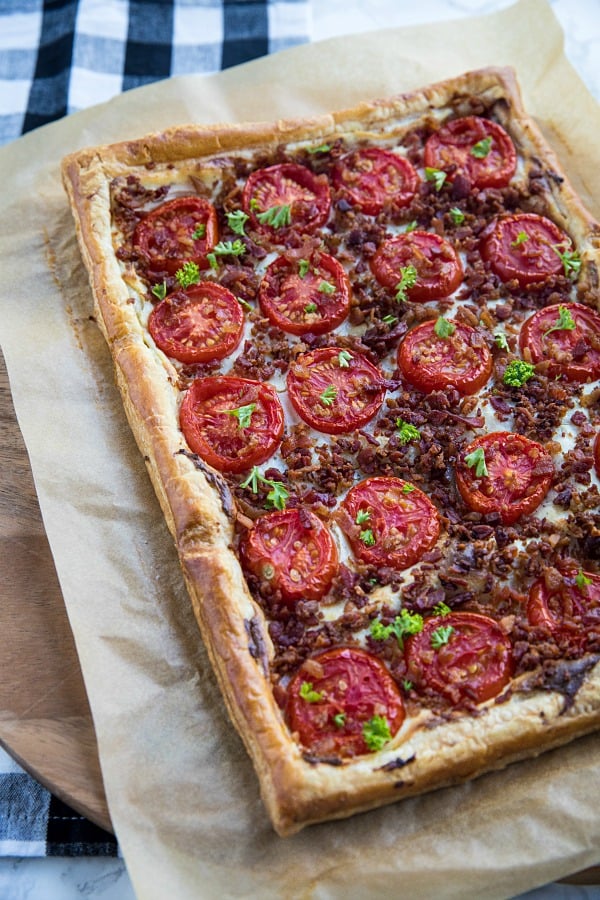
<point x="60" y="56"/>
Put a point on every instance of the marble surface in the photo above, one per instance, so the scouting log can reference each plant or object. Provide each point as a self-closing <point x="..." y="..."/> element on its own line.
<point x="107" y="879"/>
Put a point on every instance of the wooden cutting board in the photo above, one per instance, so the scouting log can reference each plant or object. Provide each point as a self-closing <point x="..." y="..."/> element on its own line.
<point x="45" y="719"/>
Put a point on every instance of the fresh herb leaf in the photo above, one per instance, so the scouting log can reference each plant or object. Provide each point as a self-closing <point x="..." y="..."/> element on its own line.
<point x="199" y="231"/>
<point x="326" y="288"/>
<point x="518" y="372"/>
<point x="408" y="279"/>
<point x="500" y="341"/>
<point x="244" y="303"/>
<point x="243" y="414"/>
<point x="441" y="636"/>
<point x="276" y="216"/>
<point x="407" y="432"/>
<point x="277" y="496"/>
<point x="476" y="460"/>
<point x="482" y="148"/>
<point x="407" y="488"/>
<point x="362" y="516"/>
<point x="457" y="215"/>
<point x="367" y="537"/>
<point x="436" y="176"/>
<point x="344" y="357"/>
<point x="376" y="733"/>
<point x="160" y="290"/>
<point x="441" y="609"/>
<point x="389" y="320"/>
<point x="407" y="685"/>
<point x="307" y="693"/>
<point x="303" y="267"/>
<point x="571" y="261"/>
<point x="443" y="328"/>
<point x="311" y="308"/>
<point x="328" y="396"/>
<point x="322" y="148"/>
<point x="188" y="274"/>
<point x="339" y="720"/>
<point x="520" y="239"/>
<point x="412" y="226"/>
<point x="582" y="580"/>
<point x="564" y="322"/>
<point x="237" y="221"/>
<point x="404" y="624"/>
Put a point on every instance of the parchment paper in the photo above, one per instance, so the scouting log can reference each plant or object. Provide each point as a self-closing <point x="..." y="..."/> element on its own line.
<point x="182" y="793"/>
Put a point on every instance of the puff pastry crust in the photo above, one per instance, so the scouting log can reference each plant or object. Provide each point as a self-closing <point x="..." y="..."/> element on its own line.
<point x="435" y="747"/>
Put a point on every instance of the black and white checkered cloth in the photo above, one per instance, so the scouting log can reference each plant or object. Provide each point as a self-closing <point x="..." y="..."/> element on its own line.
<point x="60" y="56"/>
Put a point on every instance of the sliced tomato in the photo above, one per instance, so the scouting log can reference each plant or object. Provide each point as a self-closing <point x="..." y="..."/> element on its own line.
<point x="573" y="352"/>
<point x="524" y="248"/>
<point x="181" y="230"/>
<point x="432" y="363"/>
<point x="231" y="423"/>
<point x="333" y="390"/>
<point x="334" y="698"/>
<point x="570" y="611"/>
<point x="478" y="149"/>
<point x="200" y="324"/>
<point x="519" y="475"/>
<point x="389" y="522"/>
<point x="286" y="197"/>
<point x="438" y="267"/>
<point x="371" y="179"/>
<point x="293" y="551"/>
<point x="463" y="656"/>
<point x="303" y="296"/>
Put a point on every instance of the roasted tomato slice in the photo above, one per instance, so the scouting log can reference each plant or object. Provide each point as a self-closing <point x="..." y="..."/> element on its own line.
<point x="569" y="610"/>
<point x="371" y="179"/>
<point x="463" y="656"/>
<point x="389" y="522"/>
<point x="181" y="230"/>
<point x="504" y="473"/>
<point x="200" y="324"/>
<point x="286" y="197"/>
<point x="524" y="248"/>
<point x="438" y="270"/>
<point x="232" y="423"/>
<point x="567" y="336"/>
<point x="344" y="702"/>
<point x="335" y="390"/>
<point x="433" y="358"/>
<point x="303" y="296"/>
<point x="293" y="552"/>
<point x="476" y="148"/>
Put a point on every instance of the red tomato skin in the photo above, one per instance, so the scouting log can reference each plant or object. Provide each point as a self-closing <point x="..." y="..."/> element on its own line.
<point x="474" y="637"/>
<point x="353" y="682"/>
<point x="511" y="488"/>
<point x="371" y="179"/>
<point x="287" y="184"/>
<point x="206" y="304"/>
<point x="431" y="363"/>
<point x="164" y="241"/>
<point x="353" y="407"/>
<point x="216" y="436"/>
<point x="555" y="346"/>
<point x="282" y="281"/>
<point x="449" y="149"/>
<point x="439" y="269"/>
<point x="391" y="510"/>
<point x="569" y="613"/>
<point x="529" y="262"/>
<point x="304" y="572"/>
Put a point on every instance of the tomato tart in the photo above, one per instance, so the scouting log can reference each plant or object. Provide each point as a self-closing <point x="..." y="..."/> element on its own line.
<point x="360" y="356"/>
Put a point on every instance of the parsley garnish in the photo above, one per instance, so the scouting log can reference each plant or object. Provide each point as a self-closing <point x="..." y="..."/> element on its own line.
<point x="328" y="396"/>
<point x="407" y="685"/>
<point x="404" y="624"/>
<point x="520" y="239"/>
<point x="412" y="226"/>
<point x="518" y="372"/>
<point x="441" y="636"/>
<point x="243" y="414"/>
<point x="571" y="261"/>
<point x="225" y="248"/>
<point x="188" y="274"/>
<point x="339" y="720"/>
<point x="389" y="320"/>
<point x="199" y="231"/>
<point x="407" y="488"/>
<point x="322" y="148"/>
<point x="362" y="516"/>
<point x="344" y="357"/>
<point x="326" y="288"/>
<point x="307" y="693"/>
<point x="276" y="216"/>
<point x="582" y="580"/>
<point x="500" y="341"/>
<point x="457" y="215"/>
<point x="303" y="267"/>
<point x="407" y="432"/>
<point x="408" y="279"/>
<point x="436" y="175"/>
<point x="160" y="290"/>
<point x="476" y="460"/>
<point x="237" y="221"/>
<point x="441" y="609"/>
<point x="482" y="148"/>
<point x="367" y="537"/>
<point x="376" y="732"/>
<point x="311" y="308"/>
<point x="565" y="321"/>
<point x="277" y="496"/>
<point x="443" y="328"/>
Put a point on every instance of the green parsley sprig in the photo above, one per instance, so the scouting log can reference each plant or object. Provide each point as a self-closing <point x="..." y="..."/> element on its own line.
<point x="564" y="322"/>
<point x="407" y="432"/>
<point x="441" y="636"/>
<point x="518" y="372"/>
<point x="476" y="460"/>
<point x="376" y="733"/>
<point x="277" y="496"/>
<point x="408" y="279"/>
<point x="405" y="624"/>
